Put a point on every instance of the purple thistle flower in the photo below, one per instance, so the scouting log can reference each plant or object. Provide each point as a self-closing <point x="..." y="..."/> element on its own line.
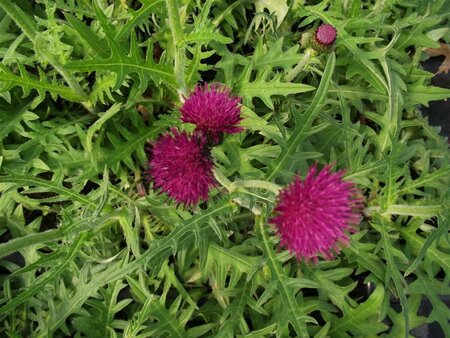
<point x="313" y="216"/>
<point x="180" y="166"/>
<point x="322" y="40"/>
<point x="213" y="110"/>
<point x="325" y="35"/>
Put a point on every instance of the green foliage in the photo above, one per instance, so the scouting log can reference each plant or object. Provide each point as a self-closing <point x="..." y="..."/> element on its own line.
<point x="90" y="250"/>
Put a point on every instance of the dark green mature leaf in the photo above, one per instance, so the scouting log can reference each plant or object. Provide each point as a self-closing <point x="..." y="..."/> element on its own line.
<point x="125" y="62"/>
<point x="27" y="83"/>
<point x="274" y="56"/>
<point x="264" y="89"/>
<point x="12" y="121"/>
<point x="138" y="17"/>
<point x="429" y="249"/>
<point x="88" y="36"/>
<point x="45" y="186"/>
<point x="433" y="289"/>
<point x="362" y="320"/>
<point x="420" y="94"/>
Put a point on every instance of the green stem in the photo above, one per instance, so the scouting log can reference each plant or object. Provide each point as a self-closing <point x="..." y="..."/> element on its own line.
<point x="407" y="210"/>
<point x="81" y="226"/>
<point x="33" y="239"/>
<point x="303" y="130"/>
<point x="279" y="277"/>
<point x="272" y="187"/>
<point x="309" y="54"/>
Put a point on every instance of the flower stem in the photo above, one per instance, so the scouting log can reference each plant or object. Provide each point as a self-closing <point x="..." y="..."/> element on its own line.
<point x="309" y="54"/>
<point x="278" y="277"/>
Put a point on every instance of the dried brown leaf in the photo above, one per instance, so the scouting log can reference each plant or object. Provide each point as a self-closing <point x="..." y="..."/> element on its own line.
<point x="443" y="50"/>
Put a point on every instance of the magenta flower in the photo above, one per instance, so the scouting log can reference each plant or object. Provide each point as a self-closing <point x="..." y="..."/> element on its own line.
<point x="314" y="216"/>
<point x="325" y="35"/>
<point x="213" y="110"/>
<point x="323" y="39"/>
<point x="180" y="166"/>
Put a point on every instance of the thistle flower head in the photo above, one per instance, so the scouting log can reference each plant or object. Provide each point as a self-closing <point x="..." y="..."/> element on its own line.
<point x="323" y="39"/>
<point x="325" y="34"/>
<point x="313" y="215"/>
<point x="213" y="110"/>
<point x="180" y="166"/>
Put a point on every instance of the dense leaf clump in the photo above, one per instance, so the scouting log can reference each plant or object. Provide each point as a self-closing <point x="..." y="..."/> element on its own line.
<point x="91" y="248"/>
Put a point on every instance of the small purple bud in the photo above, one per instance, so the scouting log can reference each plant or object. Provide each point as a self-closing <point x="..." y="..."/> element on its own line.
<point x="325" y="35"/>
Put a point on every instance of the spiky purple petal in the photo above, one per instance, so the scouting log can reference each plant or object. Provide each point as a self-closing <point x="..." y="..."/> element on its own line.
<point x="313" y="216"/>
<point x="180" y="166"/>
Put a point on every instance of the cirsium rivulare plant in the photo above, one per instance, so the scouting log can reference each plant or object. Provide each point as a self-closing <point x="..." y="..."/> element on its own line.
<point x="89" y="248"/>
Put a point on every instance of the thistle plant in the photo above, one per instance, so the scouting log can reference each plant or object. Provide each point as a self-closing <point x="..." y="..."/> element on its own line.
<point x="165" y="169"/>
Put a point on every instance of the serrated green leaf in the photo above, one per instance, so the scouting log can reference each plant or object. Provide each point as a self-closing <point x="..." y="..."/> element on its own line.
<point x="263" y="89"/>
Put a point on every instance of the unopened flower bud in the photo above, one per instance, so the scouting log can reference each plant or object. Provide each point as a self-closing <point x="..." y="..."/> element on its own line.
<point x="323" y="39"/>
